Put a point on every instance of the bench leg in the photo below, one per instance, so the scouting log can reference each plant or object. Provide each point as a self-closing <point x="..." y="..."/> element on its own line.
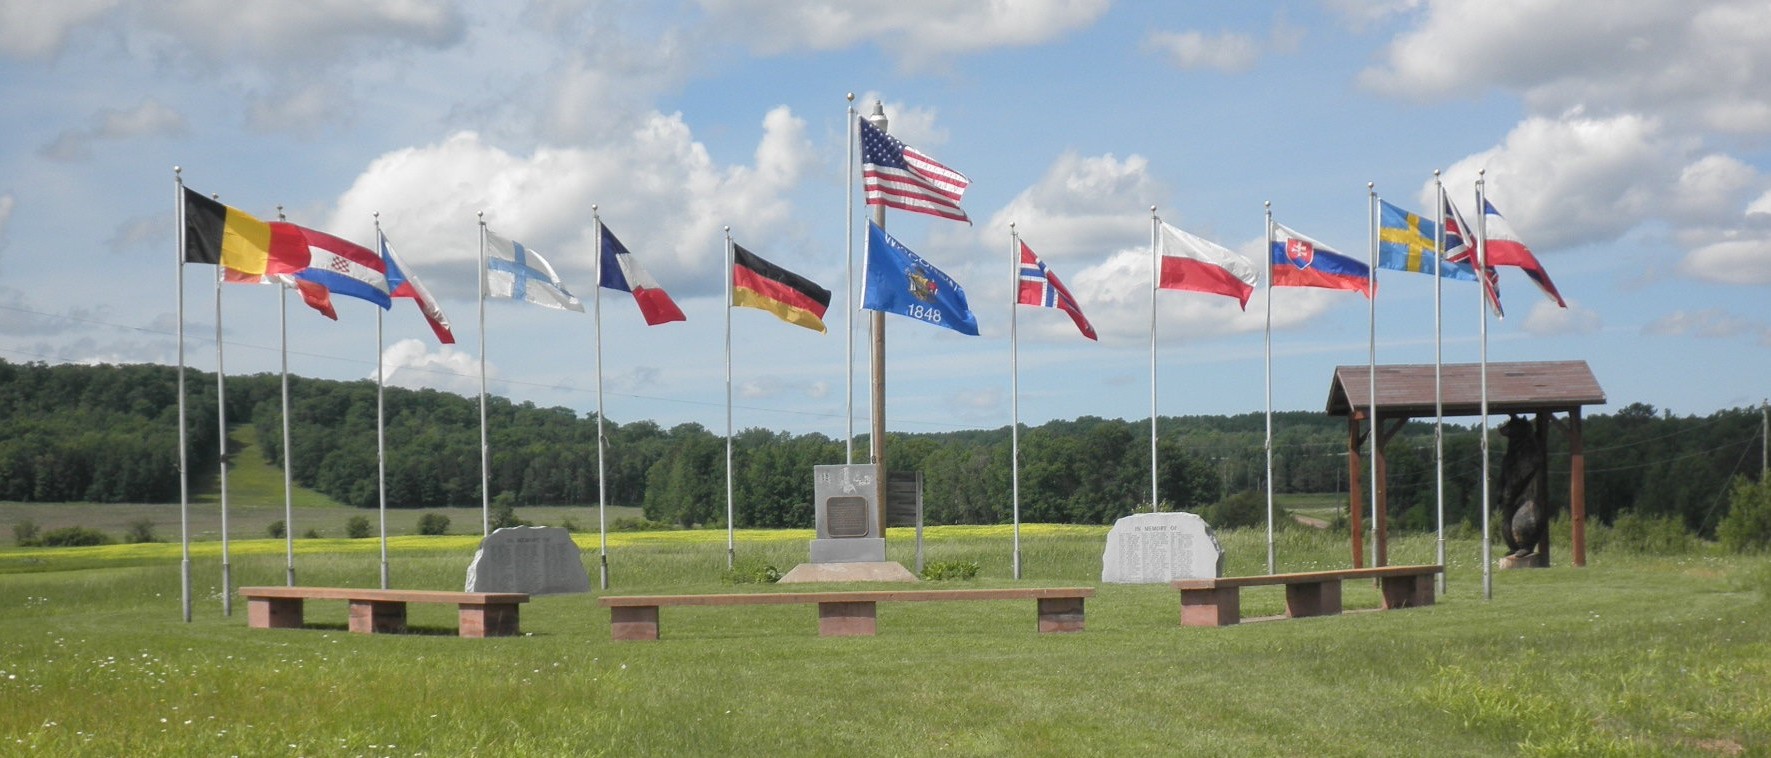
<point x="1407" y="591"/>
<point x="1313" y="599"/>
<point x="489" y="620"/>
<point x="273" y="613"/>
<point x="1060" y="614"/>
<point x="1216" y="607"/>
<point x="633" y="622"/>
<point x="377" y="617"/>
<point x="846" y="619"/>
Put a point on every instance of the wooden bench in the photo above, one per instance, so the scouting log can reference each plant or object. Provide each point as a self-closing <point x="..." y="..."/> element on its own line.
<point x="374" y="611"/>
<point x="1217" y="602"/>
<point x="844" y="614"/>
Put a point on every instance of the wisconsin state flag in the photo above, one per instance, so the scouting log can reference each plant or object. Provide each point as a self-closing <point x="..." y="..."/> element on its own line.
<point x="219" y="235"/>
<point x="759" y="284"/>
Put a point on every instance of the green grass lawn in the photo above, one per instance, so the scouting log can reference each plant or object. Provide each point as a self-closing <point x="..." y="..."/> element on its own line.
<point x="1633" y="655"/>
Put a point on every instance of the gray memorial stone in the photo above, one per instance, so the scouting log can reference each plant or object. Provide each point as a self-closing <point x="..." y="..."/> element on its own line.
<point x="538" y="560"/>
<point x="1152" y="548"/>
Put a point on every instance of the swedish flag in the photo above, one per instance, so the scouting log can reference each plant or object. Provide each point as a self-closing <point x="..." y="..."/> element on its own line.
<point x="1406" y="242"/>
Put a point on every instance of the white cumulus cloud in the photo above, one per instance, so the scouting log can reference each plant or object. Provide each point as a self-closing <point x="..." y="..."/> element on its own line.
<point x="916" y="30"/>
<point x="33" y="28"/>
<point x="151" y="118"/>
<point x="413" y="364"/>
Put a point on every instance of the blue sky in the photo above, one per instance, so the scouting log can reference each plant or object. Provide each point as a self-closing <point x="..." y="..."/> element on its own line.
<point x="1626" y="144"/>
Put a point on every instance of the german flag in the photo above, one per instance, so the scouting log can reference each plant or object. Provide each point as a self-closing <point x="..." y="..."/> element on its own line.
<point x="245" y="246"/>
<point x="759" y="284"/>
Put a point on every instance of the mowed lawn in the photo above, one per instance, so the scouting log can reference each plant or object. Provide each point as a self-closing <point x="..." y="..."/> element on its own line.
<point x="1633" y="655"/>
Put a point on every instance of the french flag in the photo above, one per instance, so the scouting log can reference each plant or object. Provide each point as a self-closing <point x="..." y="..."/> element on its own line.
<point x="621" y="272"/>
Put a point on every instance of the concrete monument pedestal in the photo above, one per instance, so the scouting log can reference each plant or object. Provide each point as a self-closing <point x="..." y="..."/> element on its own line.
<point x="856" y="571"/>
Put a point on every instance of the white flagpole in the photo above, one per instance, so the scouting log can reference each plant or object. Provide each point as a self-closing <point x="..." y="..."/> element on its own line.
<point x="1378" y="558"/>
<point x="1268" y="347"/>
<point x="184" y="480"/>
<point x="1014" y="362"/>
<point x="485" y="451"/>
<point x="848" y="319"/>
<point x="1155" y="279"/>
<point x="1439" y="379"/>
<point x="1482" y="307"/>
<point x="380" y="421"/>
<point x="221" y="419"/>
<point x="288" y="480"/>
<point x="731" y="547"/>
<point x="602" y="489"/>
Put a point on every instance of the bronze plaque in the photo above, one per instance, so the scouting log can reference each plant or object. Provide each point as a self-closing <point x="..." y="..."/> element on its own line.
<point x="846" y="516"/>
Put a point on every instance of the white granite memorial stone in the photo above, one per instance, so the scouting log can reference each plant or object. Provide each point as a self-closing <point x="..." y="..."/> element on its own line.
<point x="538" y="560"/>
<point x="1152" y="548"/>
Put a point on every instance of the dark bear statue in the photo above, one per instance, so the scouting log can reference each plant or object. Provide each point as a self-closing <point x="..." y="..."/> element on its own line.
<point x="1522" y="520"/>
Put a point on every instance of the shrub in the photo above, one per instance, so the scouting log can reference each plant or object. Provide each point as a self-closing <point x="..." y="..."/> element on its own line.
<point x="140" y="531"/>
<point x="433" y="524"/>
<point x="357" y="527"/>
<point x="25" y="533"/>
<point x="74" y="536"/>
<point x="504" y="512"/>
<point x="311" y="534"/>
<point x="1648" y="535"/>
<point x="277" y="529"/>
<point x="1246" y="508"/>
<point x="632" y="524"/>
<point x="1747" y="527"/>
<point x="941" y="571"/>
<point x="569" y="525"/>
<point x="753" y="574"/>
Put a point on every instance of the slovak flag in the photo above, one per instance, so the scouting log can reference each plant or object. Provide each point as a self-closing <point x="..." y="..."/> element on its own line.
<point x="1504" y="248"/>
<point x="342" y="267"/>
<point x="1040" y="287"/>
<point x="621" y="272"/>
<point x="1298" y="261"/>
<point x="400" y="283"/>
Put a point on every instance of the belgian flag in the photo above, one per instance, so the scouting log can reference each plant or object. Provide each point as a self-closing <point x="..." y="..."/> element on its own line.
<point x="247" y="247"/>
<point x="759" y="284"/>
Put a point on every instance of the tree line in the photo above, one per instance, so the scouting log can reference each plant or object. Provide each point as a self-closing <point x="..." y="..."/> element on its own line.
<point x="108" y="434"/>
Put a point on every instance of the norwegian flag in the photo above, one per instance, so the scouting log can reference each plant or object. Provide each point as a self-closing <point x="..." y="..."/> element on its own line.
<point x="1459" y="249"/>
<point x="896" y="175"/>
<point x="1041" y="288"/>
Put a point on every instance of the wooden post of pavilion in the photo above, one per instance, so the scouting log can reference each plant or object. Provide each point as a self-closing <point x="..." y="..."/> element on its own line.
<point x="1577" y="489"/>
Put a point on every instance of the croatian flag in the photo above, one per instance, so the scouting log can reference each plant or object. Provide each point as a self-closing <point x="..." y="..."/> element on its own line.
<point x="343" y="268"/>
<point x="402" y="284"/>
<point x="1298" y="261"/>
<point x="622" y="273"/>
<point x="1040" y="287"/>
<point x="1199" y="265"/>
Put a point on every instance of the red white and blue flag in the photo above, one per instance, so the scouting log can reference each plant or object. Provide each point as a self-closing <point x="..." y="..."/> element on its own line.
<point x="1460" y="248"/>
<point x="1298" y="261"/>
<point x="342" y="267"/>
<point x="621" y="272"/>
<point x="1504" y="248"/>
<point x="402" y="283"/>
<point x="896" y="175"/>
<point x="1042" y="288"/>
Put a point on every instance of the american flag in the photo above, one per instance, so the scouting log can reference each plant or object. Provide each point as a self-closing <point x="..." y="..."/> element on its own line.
<point x="1040" y="287"/>
<point x="899" y="176"/>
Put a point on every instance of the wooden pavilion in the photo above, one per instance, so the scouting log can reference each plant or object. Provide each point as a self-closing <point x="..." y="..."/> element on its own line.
<point x="1541" y="389"/>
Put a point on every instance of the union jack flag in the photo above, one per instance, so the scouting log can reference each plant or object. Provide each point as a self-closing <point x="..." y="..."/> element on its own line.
<point x="1460" y="248"/>
<point x="1041" y="288"/>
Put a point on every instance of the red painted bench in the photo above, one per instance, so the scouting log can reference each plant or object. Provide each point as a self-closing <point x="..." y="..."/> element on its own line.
<point x="1217" y="602"/>
<point x="375" y="611"/>
<point x="844" y="614"/>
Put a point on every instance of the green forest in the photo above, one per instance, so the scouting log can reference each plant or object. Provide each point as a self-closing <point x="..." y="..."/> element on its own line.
<point x="108" y="433"/>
